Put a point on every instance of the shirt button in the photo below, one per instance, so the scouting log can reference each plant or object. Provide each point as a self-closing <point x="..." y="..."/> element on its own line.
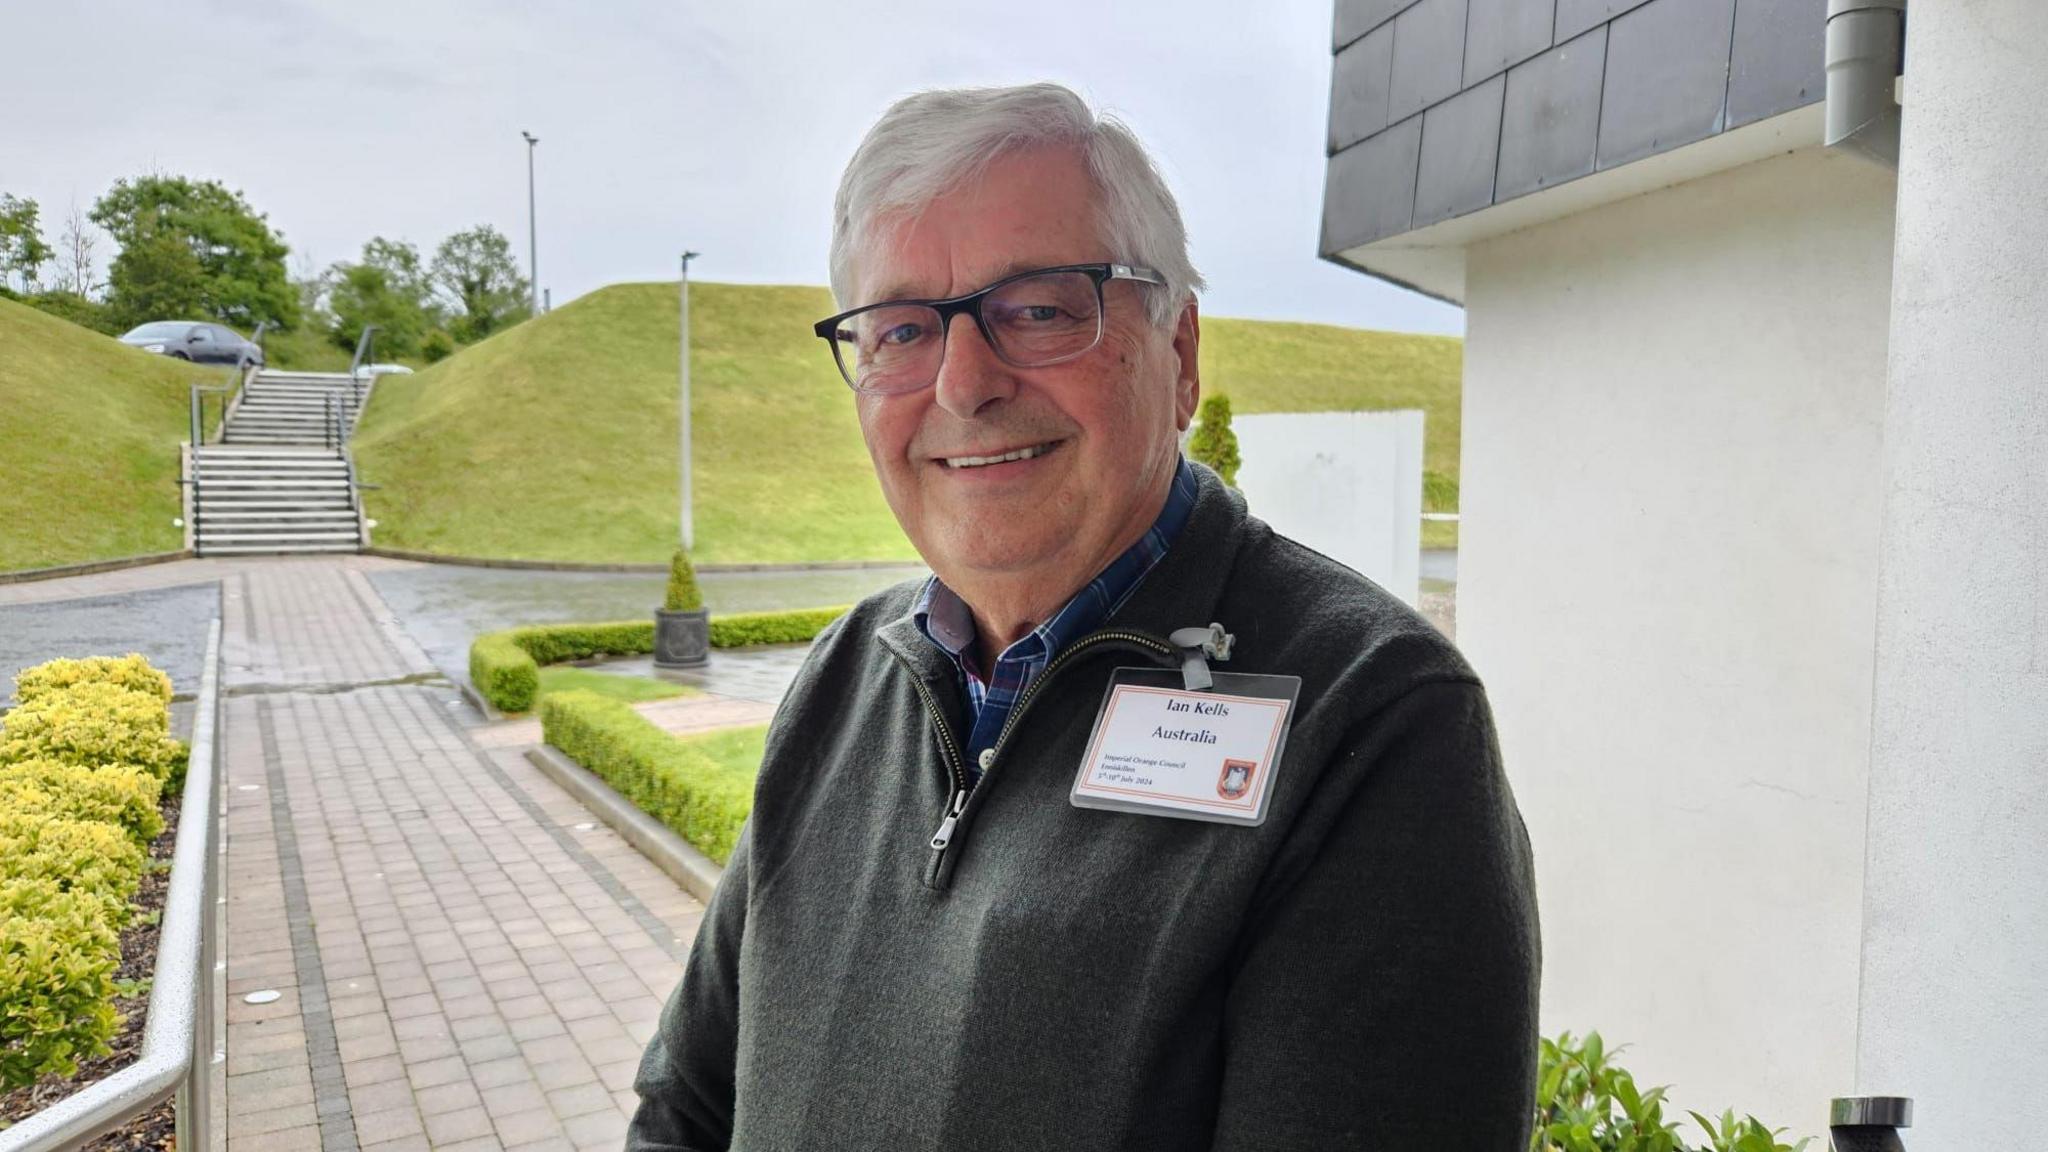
<point x="988" y="757"/>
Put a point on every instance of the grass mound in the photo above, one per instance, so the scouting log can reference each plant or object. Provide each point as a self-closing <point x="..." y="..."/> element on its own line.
<point x="89" y="448"/>
<point x="557" y="439"/>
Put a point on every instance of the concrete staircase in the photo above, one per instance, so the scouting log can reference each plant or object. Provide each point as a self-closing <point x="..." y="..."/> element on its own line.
<point x="294" y="408"/>
<point x="281" y="479"/>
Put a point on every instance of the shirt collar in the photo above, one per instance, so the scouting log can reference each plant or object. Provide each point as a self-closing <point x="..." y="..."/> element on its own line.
<point x="946" y="621"/>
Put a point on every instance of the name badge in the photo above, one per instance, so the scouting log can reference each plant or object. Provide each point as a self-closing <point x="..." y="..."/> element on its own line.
<point x="1161" y="749"/>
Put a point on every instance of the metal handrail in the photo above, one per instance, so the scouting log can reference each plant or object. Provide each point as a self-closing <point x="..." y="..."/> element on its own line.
<point x="178" y="1056"/>
<point x="364" y="343"/>
<point x="198" y="408"/>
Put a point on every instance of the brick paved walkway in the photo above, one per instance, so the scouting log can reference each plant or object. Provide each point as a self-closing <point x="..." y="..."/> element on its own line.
<point x="465" y="958"/>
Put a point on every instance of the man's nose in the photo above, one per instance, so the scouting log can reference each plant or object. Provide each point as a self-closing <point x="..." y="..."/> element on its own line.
<point x="971" y="375"/>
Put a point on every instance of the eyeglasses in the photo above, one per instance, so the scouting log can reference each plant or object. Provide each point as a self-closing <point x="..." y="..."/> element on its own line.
<point x="1032" y="320"/>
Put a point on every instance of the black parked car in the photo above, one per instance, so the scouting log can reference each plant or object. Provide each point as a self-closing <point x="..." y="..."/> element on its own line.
<point x="191" y="340"/>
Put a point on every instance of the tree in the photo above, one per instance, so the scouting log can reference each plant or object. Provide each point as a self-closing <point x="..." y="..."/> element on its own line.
<point x="75" y="250"/>
<point x="1214" y="443"/>
<point x="476" y="275"/>
<point x="22" y="251"/>
<point x="240" y="273"/>
<point x="389" y="288"/>
<point x="156" y="277"/>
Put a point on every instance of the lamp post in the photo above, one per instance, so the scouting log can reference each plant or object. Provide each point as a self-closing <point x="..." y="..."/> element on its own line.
<point x="532" y="231"/>
<point x="688" y="533"/>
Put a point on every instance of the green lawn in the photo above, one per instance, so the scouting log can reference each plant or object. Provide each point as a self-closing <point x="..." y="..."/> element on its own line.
<point x="736" y="750"/>
<point x="556" y="440"/>
<point x="88" y="443"/>
<point x="631" y="689"/>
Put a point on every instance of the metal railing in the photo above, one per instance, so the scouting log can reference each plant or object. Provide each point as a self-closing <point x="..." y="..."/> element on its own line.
<point x="179" y="1057"/>
<point x="364" y="346"/>
<point x="198" y="408"/>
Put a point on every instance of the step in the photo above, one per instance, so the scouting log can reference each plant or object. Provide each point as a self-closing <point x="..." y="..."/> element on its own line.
<point x="273" y="549"/>
<point x="280" y="467"/>
<point x="333" y="517"/>
<point x="308" y="536"/>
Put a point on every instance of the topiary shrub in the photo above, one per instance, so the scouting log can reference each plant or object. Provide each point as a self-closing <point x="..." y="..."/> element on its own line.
<point x="124" y="797"/>
<point x="94" y="723"/>
<point x="78" y="855"/>
<point x="703" y="801"/>
<point x="132" y="672"/>
<point x="505" y="666"/>
<point x="58" y="957"/>
<point x="1214" y="443"/>
<point x="683" y="595"/>
<point x="745" y="629"/>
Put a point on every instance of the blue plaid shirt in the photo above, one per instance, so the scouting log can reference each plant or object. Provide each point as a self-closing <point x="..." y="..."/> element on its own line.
<point x="946" y="621"/>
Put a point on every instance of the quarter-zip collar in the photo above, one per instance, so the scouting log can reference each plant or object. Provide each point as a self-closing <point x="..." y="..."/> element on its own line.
<point x="1181" y="591"/>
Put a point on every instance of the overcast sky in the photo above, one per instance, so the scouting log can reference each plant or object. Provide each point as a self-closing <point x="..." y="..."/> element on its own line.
<point x="666" y="123"/>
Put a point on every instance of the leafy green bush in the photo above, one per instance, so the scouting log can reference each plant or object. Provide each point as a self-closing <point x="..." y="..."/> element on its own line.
<point x="705" y="802"/>
<point x="58" y="957"/>
<point x="124" y="797"/>
<point x="683" y="595"/>
<point x="94" y="723"/>
<point x="1586" y="1103"/>
<point x="132" y="672"/>
<point x="78" y="855"/>
<point x="77" y="309"/>
<point x="1214" y="443"/>
<point x="504" y="666"/>
<point x="437" y="345"/>
<point x="502" y="672"/>
<point x="745" y="629"/>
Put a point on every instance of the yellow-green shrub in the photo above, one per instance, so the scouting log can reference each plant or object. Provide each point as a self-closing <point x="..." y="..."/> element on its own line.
<point x="703" y="801"/>
<point x="78" y="855"/>
<point x="94" y="723"/>
<point x="58" y="957"/>
<point x="125" y="797"/>
<point x="132" y="672"/>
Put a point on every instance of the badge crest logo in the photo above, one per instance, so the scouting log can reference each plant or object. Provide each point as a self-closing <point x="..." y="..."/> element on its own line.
<point x="1236" y="779"/>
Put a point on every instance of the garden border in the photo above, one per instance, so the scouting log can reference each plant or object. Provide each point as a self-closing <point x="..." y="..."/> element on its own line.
<point x="644" y="569"/>
<point x="178" y="1054"/>
<point x="87" y="568"/>
<point x="663" y="847"/>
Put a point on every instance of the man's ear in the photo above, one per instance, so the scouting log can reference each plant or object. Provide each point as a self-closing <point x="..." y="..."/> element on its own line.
<point x="1187" y="384"/>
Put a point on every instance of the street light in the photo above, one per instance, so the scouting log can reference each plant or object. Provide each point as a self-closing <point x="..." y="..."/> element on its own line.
<point x="688" y="534"/>
<point x="532" y="233"/>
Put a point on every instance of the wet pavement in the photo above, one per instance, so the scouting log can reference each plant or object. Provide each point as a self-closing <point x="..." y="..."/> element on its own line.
<point x="166" y="625"/>
<point x="444" y="607"/>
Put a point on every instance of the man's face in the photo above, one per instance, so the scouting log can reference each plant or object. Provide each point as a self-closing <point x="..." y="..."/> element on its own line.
<point x="1109" y="421"/>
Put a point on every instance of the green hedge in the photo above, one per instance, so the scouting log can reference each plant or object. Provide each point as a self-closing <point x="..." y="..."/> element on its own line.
<point x="703" y="800"/>
<point x="83" y="761"/>
<point x="504" y="666"/>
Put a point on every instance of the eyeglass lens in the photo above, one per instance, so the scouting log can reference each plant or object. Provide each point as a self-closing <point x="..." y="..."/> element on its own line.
<point x="1032" y="321"/>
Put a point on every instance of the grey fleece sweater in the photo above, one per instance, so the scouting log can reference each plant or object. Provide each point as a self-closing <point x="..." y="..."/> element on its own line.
<point x="1357" y="972"/>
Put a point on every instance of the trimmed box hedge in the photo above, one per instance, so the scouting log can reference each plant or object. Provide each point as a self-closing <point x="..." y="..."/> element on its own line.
<point x="84" y="760"/>
<point x="505" y="666"/>
<point x="702" y="800"/>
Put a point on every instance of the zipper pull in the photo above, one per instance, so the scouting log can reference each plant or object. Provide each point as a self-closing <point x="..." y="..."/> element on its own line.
<point x="944" y="835"/>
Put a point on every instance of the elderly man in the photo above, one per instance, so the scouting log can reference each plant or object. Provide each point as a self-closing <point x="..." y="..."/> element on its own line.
<point x="1136" y="825"/>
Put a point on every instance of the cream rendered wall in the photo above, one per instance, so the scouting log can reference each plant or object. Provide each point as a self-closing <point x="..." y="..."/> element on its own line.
<point x="1670" y="494"/>
<point x="1955" y="952"/>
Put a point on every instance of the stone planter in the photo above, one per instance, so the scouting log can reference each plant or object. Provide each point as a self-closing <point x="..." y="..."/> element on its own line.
<point x="682" y="639"/>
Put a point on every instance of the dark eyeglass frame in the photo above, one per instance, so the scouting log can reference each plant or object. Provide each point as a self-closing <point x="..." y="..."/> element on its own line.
<point x="970" y="303"/>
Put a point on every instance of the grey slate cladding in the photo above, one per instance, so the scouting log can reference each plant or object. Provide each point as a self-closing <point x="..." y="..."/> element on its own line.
<point x="1667" y="78"/>
<point x="1429" y="56"/>
<point x="1460" y="139"/>
<point x="1358" y="88"/>
<point x="1550" y="124"/>
<point x="1778" y="58"/>
<point x="1373" y="182"/>
<point x="1502" y="33"/>
<point x="1578" y="86"/>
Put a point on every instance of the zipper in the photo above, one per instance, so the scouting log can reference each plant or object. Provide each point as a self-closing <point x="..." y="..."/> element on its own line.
<point x="956" y="799"/>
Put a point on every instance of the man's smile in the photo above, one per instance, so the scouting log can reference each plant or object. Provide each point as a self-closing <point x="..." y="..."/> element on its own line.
<point x="1008" y="456"/>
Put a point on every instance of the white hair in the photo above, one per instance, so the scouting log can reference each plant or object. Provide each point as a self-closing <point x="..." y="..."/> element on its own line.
<point x="927" y="144"/>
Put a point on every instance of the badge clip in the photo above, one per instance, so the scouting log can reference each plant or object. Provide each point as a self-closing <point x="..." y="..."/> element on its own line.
<point x="1198" y="646"/>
